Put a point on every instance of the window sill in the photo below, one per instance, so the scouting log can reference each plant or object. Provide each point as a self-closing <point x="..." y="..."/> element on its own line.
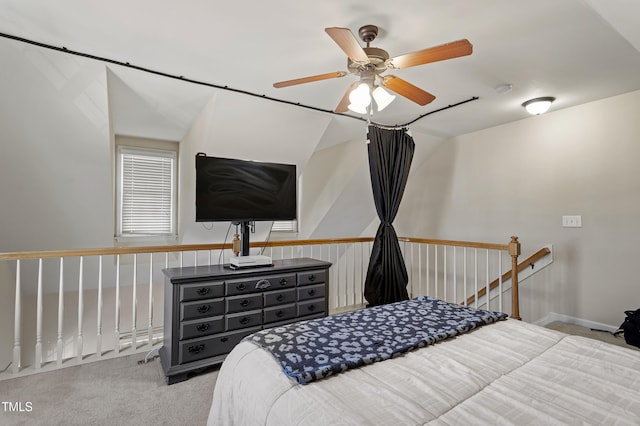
<point x="131" y="240"/>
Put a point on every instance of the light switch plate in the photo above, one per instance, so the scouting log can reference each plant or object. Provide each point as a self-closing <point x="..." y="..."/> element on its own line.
<point x="572" y="221"/>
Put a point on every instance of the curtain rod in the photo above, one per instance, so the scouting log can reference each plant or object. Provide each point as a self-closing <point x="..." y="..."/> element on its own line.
<point x="217" y="86"/>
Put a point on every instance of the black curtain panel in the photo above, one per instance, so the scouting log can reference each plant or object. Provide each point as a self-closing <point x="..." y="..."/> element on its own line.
<point x="390" y="155"/>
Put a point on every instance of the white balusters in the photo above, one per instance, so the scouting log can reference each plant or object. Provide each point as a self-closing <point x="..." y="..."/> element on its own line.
<point x="475" y="277"/>
<point x="60" y="342"/>
<point x="464" y="274"/>
<point x="116" y="336"/>
<point x="38" y="355"/>
<point x="420" y="291"/>
<point x="79" y="342"/>
<point x="487" y="282"/>
<point x="17" y="323"/>
<point x="500" y="308"/>
<point x="434" y="264"/>
<point x="353" y="285"/>
<point x="150" y="325"/>
<point x="444" y="272"/>
<point x="455" y="276"/>
<point x="99" y="309"/>
<point x="134" y="303"/>
<point x="435" y="274"/>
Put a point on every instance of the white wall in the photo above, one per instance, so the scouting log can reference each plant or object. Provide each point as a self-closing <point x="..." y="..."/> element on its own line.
<point x="521" y="178"/>
<point x="231" y="126"/>
<point x="55" y="153"/>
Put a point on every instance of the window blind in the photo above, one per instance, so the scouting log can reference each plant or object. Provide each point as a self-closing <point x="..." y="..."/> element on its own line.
<point x="147" y="192"/>
<point x="285" y="226"/>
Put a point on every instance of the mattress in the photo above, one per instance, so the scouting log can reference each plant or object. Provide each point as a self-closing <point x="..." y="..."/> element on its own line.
<point x="509" y="373"/>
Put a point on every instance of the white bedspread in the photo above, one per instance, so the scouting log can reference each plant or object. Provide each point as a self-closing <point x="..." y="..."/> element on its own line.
<point x="510" y="373"/>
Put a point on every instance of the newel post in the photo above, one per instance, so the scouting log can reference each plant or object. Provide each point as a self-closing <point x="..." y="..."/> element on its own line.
<point x="514" y="252"/>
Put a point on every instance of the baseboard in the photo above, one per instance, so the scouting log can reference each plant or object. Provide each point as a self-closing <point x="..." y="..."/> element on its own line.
<point x="553" y="317"/>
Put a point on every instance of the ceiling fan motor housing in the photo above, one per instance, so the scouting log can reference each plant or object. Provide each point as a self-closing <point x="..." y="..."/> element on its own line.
<point x="377" y="61"/>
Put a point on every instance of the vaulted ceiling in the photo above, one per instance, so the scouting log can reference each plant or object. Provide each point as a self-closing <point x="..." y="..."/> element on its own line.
<point x="574" y="50"/>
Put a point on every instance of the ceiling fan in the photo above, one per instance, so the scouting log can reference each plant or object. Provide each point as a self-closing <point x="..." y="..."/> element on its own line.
<point x="369" y="63"/>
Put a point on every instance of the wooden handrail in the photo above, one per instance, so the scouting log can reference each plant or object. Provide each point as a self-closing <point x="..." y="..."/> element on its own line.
<point x="43" y="254"/>
<point x="469" y="244"/>
<point x="168" y="249"/>
<point x="521" y="266"/>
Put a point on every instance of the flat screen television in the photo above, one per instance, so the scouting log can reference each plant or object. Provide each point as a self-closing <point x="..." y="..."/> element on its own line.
<point x="241" y="191"/>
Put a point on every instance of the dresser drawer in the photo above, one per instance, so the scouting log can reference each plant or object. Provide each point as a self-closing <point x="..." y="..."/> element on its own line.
<point x="201" y="309"/>
<point x="201" y="290"/>
<point x="243" y="320"/>
<point x="309" y="307"/>
<point x="205" y="347"/>
<point x="198" y="328"/>
<point x="279" y="297"/>
<point x="279" y="313"/>
<point x="312" y="277"/>
<point x="311" y="291"/>
<point x="268" y="282"/>
<point x="244" y="302"/>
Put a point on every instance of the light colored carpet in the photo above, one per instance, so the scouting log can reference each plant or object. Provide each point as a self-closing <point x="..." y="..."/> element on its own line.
<point x="117" y="391"/>
<point x="577" y="330"/>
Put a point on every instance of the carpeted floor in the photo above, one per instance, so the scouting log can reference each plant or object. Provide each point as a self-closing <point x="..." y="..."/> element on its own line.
<point x="118" y="391"/>
<point x="604" y="336"/>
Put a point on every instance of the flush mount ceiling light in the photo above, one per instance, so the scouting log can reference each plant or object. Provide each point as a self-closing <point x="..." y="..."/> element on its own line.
<point x="538" y="106"/>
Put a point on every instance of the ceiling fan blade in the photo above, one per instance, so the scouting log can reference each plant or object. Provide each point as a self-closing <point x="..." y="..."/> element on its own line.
<point x="343" y="106"/>
<point x="408" y="90"/>
<point x="310" y="79"/>
<point x="348" y="43"/>
<point x="451" y="50"/>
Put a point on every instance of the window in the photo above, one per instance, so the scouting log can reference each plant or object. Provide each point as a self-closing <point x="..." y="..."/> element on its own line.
<point x="146" y="192"/>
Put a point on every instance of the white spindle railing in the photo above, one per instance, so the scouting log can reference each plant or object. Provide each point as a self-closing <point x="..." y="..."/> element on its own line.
<point x="38" y="355"/>
<point x="117" y="317"/>
<point x="437" y="268"/>
<point x="17" y="322"/>
<point x="99" y="311"/>
<point x="59" y="344"/>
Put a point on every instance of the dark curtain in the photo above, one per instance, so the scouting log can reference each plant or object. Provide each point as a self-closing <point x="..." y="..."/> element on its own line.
<point x="390" y="155"/>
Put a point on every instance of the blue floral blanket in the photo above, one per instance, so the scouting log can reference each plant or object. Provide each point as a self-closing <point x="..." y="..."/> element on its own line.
<point x="314" y="349"/>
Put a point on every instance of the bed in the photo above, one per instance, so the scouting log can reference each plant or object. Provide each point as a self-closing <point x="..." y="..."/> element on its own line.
<point x="504" y="371"/>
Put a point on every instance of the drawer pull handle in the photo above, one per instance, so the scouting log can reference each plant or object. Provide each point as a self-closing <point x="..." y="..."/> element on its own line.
<point x="280" y="298"/>
<point x="312" y="307"/>
<point x="224" y="339"/>
<point x="311" y="292"/>
<point x="202" y="328"/>
<point x="279" y="314"/>
<point x="241" y="286"/>
<point x="312" y="277"/>
<point x="203" y="291"/>
<point x="196" y="348"/>
<point x="244" y="320"/>
<point x="204" y="308"/>
<point x="283" y="281"/>
<point x="262" y="284"/>
<point x="244" y="303"/>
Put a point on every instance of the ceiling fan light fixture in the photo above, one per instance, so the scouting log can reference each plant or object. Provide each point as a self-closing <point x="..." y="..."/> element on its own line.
<point x="382" y="98"/>
<point x="358" y="108"/>
<point x="538" y="106"/>
<point x="360" y="96"/>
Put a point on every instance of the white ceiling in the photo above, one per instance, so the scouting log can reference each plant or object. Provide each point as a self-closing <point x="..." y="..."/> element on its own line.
<point x="575" y="50"/>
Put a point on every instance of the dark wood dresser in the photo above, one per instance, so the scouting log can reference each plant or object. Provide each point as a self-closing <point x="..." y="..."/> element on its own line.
<point x="210" y="309"/>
